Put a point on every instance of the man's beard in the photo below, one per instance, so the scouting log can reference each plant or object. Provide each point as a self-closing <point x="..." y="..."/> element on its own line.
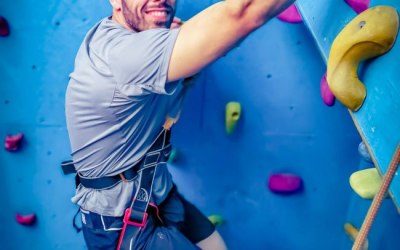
<point x="140" y="24"/>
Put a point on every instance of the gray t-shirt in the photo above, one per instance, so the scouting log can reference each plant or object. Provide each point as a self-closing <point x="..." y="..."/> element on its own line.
<point x="116" y="103"/>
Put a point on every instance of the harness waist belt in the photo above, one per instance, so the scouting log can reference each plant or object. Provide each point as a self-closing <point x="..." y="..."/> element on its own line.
<point x="158" y="152"/>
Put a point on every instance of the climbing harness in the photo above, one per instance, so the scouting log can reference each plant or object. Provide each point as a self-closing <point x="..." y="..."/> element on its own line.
<point x="136" y="215"/>
<point x="157" y="153"/>
<point x="143" y="227"/>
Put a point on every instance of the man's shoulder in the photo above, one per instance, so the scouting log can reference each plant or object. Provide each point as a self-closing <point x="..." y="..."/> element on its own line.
<point x="104" y="33"/>
<point x="107" y="28"/>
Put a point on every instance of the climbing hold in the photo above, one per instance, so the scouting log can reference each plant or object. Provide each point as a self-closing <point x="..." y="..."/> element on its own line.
<point x="358" y="5"/>
<point x="284" y="183"/>
<point x="232" y="115"/>
<point x="326" y="93"/>
<point x="366" y="182"/>
<point x="26" y="219"/>
<point x="370" y="34"/>
<point x="290" y="15"/>
<point x="363" y="151"/>
<point x="4" y="28"/>
<point x="13" y="143"/>
<point x="216" y="219"/>
<point x="173" y="156"/>
<point x="352" y="232"/>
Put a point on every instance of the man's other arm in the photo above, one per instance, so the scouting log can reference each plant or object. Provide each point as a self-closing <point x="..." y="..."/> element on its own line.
<point x="215" y="30"/>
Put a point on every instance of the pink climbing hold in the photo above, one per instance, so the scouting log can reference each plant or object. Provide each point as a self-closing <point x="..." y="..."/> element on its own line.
<point x="26" y="219"/>
<point x="284" y="183"/>
<point x="4" y="28"/>
<point x="326" y="93"/>
<point x="12" y="143"/>
<point x="358" y="5"/>
<point x="290" y="15"/>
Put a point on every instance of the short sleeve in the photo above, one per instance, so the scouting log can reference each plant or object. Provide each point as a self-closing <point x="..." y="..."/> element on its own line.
<point x="139" y="61"/>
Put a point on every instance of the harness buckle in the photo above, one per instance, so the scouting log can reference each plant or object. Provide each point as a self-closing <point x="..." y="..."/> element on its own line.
<point x="127" y="216"/>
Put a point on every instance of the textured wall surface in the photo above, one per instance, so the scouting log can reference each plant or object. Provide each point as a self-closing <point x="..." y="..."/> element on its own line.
<point x="285" y="127"/>
<point x="378" y="119"/>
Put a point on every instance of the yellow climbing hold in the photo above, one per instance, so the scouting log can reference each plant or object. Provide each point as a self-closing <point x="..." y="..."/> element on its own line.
<point x="216" y="219"/>
<point x="366" y="182"/>
<point x="352" y="232"/>
<point x="370" y="34"/>
<point x="232" y="115"/>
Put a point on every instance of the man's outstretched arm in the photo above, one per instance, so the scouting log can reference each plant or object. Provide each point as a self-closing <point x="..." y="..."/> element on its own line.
<point x="215" y="30"/>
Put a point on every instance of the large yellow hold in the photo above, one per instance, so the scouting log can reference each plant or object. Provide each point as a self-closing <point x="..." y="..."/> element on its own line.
<point x="366" y="182"/>
<point x="370" y="34"/>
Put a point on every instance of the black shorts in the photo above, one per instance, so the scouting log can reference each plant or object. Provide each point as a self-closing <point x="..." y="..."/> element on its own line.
<point x="177" y="211"/>
<point x="184" y="224"/>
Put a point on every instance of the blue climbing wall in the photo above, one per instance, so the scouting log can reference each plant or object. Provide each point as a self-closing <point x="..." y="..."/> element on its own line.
<point x="378" y="119"/>
<point x="285" y="127"/>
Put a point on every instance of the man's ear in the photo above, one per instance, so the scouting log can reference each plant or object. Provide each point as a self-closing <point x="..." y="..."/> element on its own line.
<point x="116" y="4"/>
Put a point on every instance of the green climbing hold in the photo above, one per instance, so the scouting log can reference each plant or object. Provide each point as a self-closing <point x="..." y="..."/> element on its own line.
<point x="216" y="219"/>
<point x="173" y="156"/>
<point x="232" y="115"/>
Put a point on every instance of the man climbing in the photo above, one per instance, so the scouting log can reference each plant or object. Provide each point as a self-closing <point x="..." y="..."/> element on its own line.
<point x="123" y="96"/>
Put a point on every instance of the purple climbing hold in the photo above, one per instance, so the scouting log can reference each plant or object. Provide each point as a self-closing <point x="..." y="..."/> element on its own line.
<point x="4" y="28"/>
<point x="284" y="183"/>
<point x="290" y="15"/>
<point x="358" y="5"/>
<point x="326" y="93"/>
<point x="13" y="142"/>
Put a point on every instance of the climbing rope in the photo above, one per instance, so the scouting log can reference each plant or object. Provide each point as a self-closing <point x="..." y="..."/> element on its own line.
<point x="377" y="201"/>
